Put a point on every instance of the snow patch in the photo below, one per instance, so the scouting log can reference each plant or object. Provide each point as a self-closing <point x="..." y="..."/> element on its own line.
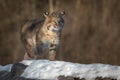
<point x="45" y="69"/>
<point x="26" y="62"/>
<point x="6" y="68"/>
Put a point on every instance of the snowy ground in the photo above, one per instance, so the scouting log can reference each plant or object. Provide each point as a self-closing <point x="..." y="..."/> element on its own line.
<point x="6" y="68"/>
<point x="45" y="69"/>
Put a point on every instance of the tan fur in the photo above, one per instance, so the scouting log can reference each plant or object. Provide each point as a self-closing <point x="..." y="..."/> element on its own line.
<point x="36" y="38"/>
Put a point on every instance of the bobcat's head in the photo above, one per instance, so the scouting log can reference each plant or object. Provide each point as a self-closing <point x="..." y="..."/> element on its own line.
<point x="54" y="22"/>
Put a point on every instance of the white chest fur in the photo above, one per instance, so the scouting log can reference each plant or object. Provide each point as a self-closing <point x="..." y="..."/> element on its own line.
<point x="50" y="39"/>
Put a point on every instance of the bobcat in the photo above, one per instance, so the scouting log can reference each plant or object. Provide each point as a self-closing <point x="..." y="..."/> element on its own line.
<point x="37" y="35"/>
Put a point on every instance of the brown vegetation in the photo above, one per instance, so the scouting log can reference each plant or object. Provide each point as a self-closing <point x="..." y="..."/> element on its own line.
<point x="90" y="35"/>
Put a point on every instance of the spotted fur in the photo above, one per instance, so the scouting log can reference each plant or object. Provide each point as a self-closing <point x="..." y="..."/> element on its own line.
<point x="38" y="35"/>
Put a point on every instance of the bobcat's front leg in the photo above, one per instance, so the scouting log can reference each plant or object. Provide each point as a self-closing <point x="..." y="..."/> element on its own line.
<point x="52" y="52"/>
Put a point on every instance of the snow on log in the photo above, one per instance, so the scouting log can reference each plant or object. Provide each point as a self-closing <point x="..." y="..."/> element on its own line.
<point x="45" y="69"/>
<point x="58" y="70"/>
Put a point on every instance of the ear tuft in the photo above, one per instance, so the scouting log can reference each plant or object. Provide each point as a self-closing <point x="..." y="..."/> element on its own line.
<point x="45" y="14"/>
<point x="62" y="13"/>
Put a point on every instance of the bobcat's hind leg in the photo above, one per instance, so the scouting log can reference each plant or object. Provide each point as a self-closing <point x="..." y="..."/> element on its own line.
<point x="31" y="51"/>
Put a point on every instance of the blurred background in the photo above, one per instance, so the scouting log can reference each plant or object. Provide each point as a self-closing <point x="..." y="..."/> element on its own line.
<point x="91" y="33"/>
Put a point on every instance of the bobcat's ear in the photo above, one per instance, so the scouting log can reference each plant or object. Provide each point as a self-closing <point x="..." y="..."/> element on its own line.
<point x="46" y="14"/>
<point x="62" y="13"/>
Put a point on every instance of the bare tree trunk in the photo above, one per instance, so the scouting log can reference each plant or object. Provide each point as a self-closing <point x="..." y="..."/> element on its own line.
<point x="33" y="7"/>
<point x="77" y="4"/>
<point x="105" y="12"/>
<point x="51" y="6"/>
<point x="75" y="19"/>
<point x="3" y="4"/>
<point x="57" y="5"/>
<point x="26" y="8"/>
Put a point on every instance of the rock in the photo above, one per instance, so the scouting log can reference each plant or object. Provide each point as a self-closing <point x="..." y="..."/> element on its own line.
<point x="17" y="69"/>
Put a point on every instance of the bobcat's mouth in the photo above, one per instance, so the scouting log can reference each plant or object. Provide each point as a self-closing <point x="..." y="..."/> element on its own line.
<point x="56" y="28"/>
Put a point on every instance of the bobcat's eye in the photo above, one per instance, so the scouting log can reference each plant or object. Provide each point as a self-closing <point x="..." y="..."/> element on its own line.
<point x="48" y="27"/>
<point x="59" y="22"/>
